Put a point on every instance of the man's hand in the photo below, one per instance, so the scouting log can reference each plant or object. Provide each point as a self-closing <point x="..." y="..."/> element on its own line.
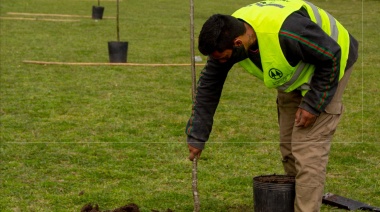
<point x="194" y="152"/>
<point x="304" y="118"/>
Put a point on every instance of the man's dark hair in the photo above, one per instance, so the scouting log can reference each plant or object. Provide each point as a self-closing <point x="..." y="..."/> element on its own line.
<point x="218" y="33"/>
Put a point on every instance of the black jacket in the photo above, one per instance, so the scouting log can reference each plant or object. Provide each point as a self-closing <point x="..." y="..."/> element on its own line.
<point x="214" y="74"/>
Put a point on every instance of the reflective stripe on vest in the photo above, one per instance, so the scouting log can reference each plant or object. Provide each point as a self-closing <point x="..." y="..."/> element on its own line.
<point x="334" y="35"/>
<point x="333" y="28"/>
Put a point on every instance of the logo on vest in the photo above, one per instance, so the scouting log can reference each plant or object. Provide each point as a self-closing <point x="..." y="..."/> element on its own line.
<point x="275" y="74"/>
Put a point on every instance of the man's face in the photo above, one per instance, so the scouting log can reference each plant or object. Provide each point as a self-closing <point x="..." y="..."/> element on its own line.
<point x="241" y="45"/>
<point x="222" y="57"/>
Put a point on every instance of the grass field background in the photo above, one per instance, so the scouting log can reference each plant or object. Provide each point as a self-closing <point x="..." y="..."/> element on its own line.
<point x="112" y="135"/>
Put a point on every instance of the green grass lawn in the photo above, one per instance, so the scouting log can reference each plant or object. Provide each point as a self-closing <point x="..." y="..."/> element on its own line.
<point x="112" y="135"/>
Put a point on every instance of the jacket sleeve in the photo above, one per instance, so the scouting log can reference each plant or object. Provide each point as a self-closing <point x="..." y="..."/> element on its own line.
<point x="208" y="92"/>
<point x="310" y="44"/>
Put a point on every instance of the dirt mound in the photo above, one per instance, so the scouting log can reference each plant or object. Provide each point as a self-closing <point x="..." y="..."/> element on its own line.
<point x="132" y="207"/>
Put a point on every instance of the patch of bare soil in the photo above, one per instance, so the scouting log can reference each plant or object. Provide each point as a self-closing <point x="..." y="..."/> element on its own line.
<point x="132" y="207"/>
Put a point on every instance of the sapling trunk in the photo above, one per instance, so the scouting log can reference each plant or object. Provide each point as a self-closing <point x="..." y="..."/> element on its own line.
<point x="98" y="3"/>
<point x="197" y="204"/>
<point x="117" y="21"/>
<point x="193" y="90"/>
<point x="192" y="51"/>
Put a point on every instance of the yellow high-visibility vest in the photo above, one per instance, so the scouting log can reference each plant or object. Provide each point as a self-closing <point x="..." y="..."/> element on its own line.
<point x="266" y="18"/>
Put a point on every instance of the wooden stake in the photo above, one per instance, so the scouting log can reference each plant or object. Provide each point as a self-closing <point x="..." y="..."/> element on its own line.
<point x="54" y="15"/>
<point x="38" y="19"/>
<point x="105" y="64"/>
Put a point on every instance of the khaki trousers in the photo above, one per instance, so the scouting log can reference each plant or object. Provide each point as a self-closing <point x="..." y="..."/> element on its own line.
<point x="305" y="150"/>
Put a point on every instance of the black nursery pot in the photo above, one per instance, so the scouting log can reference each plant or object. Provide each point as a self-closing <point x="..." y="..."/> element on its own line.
<point x="118" y="51"/>
<point x="274" y="193"/>
<point x="97" y="12"/>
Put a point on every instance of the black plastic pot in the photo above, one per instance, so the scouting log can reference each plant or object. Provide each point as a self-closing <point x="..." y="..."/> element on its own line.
<point x="97" y="12"/>
<point x="274" y="193"/>
<point x="118" y="51"/>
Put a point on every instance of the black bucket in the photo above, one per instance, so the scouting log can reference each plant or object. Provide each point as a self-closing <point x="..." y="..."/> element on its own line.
<point x="274" y="193"/>
<point x="117" y="51"/>
<point x="97" y="12"/>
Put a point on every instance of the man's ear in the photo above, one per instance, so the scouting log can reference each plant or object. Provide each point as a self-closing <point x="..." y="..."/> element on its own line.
<point x="238" y="42"/>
